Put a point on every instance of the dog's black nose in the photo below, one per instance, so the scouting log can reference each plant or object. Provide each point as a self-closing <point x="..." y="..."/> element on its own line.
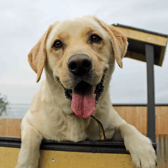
<point x="79" y="64"/>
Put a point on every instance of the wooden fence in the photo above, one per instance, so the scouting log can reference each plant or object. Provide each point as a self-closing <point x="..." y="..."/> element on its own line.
<point x="135" y="115"/>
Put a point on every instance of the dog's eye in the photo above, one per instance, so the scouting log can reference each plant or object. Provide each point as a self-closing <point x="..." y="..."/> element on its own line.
<point x="95" y="38"/>
<point x="57" y="44"/>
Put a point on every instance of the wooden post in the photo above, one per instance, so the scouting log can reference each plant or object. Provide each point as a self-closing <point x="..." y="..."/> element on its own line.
<point x="149" y="53"/>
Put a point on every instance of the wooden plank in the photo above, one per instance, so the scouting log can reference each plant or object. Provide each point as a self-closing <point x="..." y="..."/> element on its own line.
<point x="162" y="55"/>
<point x="60" y="159"/>
<point x="162" y="151"/>
<point x="166" y="153"/>
<point x="83" y="160"/>
<point x="10" y="127"/>
<point x="136" y="116"/>
<point x="161" y="120"/>
<point x="142" y="119"/>
<point x="144" y="37"/>
<point x="135" y="56"/>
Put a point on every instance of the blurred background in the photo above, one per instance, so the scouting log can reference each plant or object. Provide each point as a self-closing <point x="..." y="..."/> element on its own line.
<point x="23" y="23"/>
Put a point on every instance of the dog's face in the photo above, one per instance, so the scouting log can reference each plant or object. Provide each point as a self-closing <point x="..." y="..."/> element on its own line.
<point x="79" y="53"/>
<point x="78" y="50"/>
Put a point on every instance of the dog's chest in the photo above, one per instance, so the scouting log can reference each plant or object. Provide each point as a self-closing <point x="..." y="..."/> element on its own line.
<point x="72" y="128"/>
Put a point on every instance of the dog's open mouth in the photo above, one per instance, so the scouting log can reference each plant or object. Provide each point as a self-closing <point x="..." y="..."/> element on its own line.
<point x="84" y="98"/>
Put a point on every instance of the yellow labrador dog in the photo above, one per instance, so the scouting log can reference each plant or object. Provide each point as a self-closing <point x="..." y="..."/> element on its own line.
<point x="78" y="57"/>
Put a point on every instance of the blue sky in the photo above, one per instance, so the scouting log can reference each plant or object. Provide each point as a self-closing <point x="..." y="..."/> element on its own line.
<point x="23" y="23"/>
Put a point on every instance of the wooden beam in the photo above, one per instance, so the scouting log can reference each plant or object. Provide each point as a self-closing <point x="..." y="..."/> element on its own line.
<point x="135" y="56"/>
<point x="144" y="37"/>
<point x="162" y="55"/>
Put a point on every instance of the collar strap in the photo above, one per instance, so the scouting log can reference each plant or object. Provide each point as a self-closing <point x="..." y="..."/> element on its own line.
<point x="101" y="129"/>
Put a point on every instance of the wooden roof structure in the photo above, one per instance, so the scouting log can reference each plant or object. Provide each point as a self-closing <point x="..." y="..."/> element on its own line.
<point x="149" y="47"/>
<point x="137" y="38"/>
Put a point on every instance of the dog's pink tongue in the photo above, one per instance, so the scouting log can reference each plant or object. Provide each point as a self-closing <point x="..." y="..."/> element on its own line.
<point x="83" y="105"/>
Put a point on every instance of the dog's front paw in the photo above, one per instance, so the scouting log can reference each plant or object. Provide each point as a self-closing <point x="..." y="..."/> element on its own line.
<point x="141" y="150"/>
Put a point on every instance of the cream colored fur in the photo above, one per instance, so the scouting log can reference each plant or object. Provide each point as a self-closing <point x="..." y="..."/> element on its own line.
<point x="50" y="115"/>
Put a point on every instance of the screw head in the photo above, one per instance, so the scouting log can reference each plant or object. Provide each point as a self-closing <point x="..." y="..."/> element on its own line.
<point x="53" y="159"/>
<point x="149" y="38"/>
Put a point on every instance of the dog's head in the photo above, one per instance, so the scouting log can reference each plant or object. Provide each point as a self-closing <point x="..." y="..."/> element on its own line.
<point x="79" y="53"/>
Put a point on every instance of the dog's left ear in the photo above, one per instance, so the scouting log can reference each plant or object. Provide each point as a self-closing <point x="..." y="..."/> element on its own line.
<point x="37" y="55"/>
<point x="118" y="40"/>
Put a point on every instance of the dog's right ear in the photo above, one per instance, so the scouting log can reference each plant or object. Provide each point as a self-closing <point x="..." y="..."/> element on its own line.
<point x="37" y="55"/>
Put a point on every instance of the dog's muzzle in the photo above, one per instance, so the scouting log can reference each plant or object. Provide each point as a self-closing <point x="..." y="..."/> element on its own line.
<point x="84" y="95"/>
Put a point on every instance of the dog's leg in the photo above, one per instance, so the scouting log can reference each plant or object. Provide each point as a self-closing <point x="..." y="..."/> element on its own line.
<point x="139" y="146"/>
<point x="29" y="153"/>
